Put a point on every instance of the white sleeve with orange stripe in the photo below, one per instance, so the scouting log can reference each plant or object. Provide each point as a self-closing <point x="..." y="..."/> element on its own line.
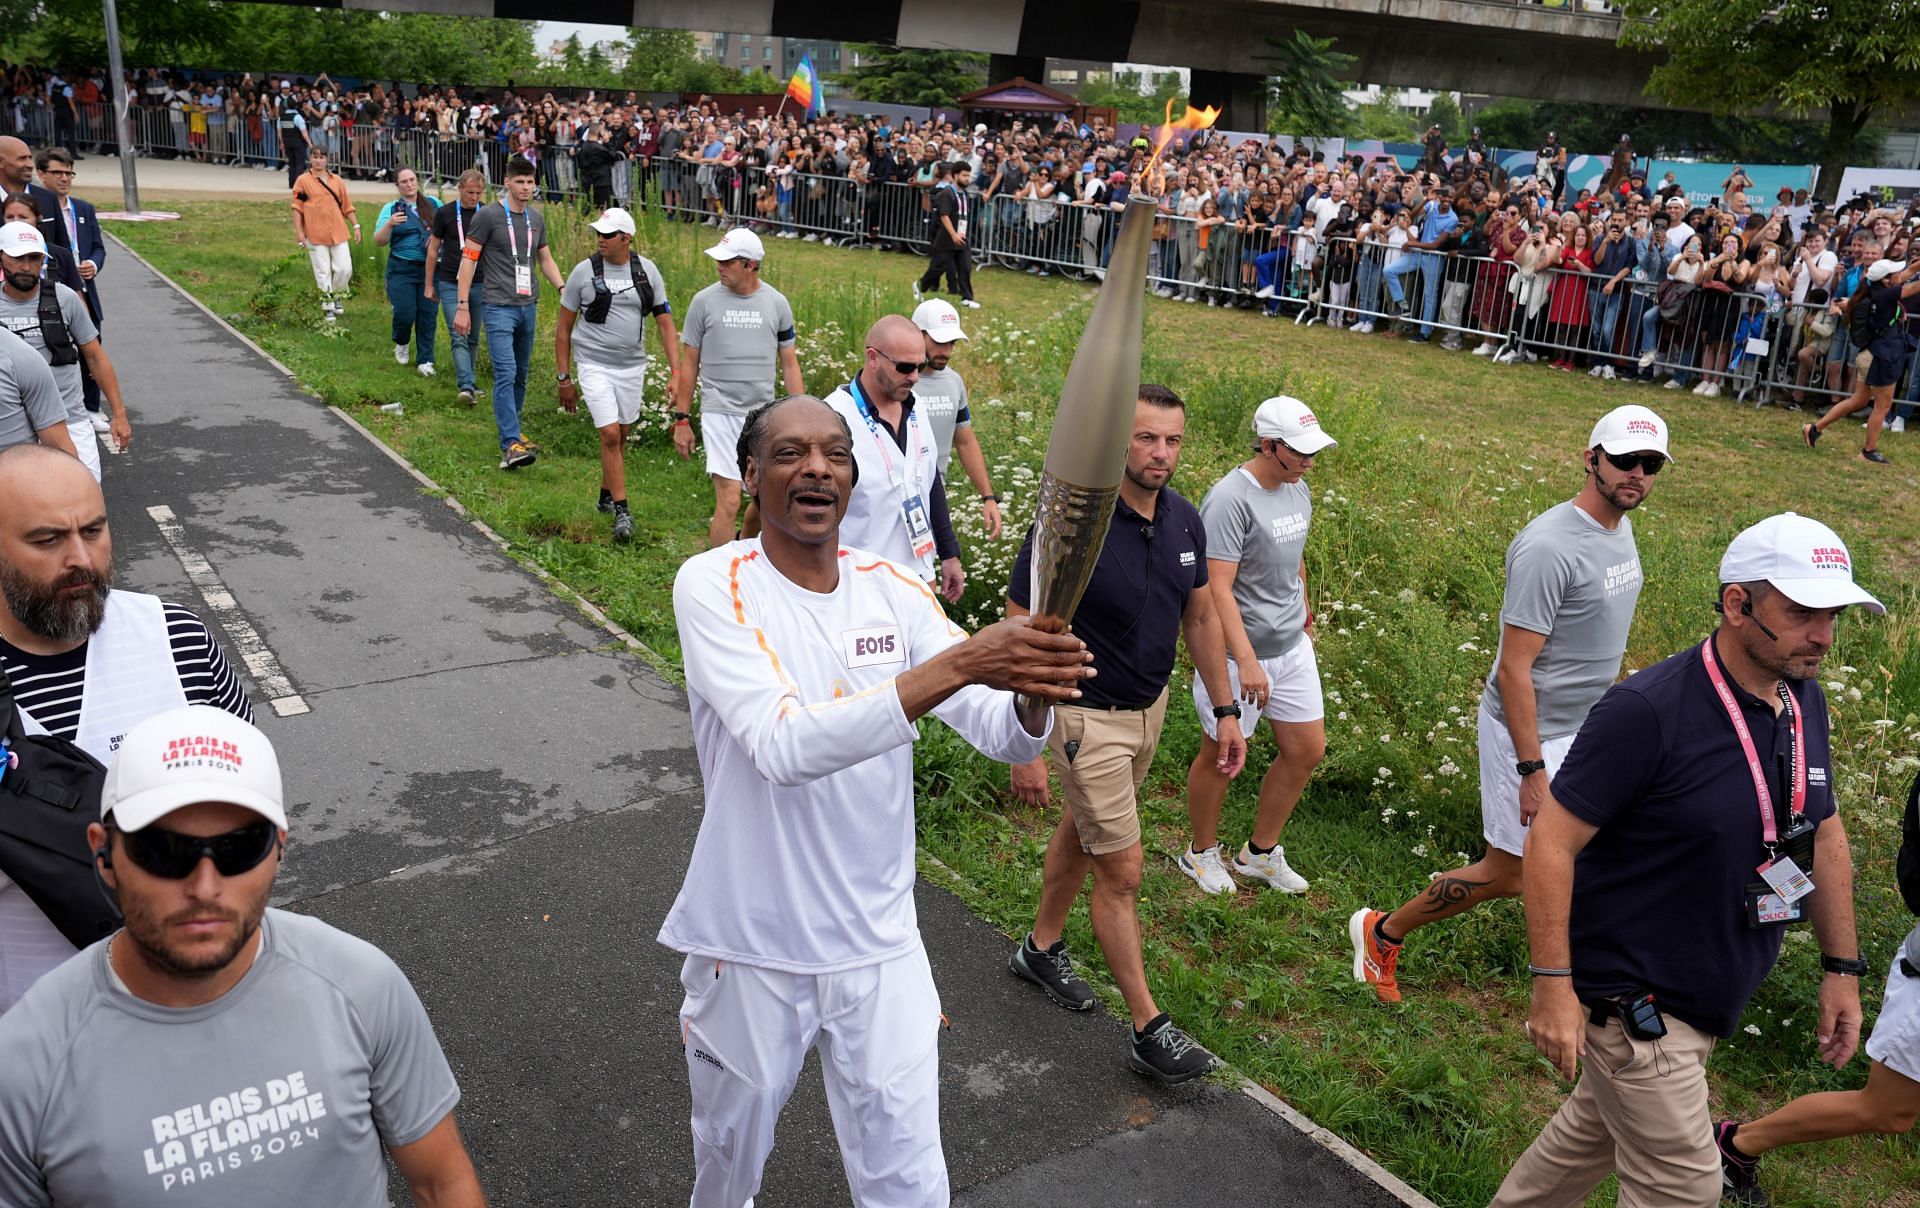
<point x="733" y="664"/>
<point x="982" y="716"/>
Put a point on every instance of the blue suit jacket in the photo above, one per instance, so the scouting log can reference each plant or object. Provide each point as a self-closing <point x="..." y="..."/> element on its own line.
<point x="91" y="245"/>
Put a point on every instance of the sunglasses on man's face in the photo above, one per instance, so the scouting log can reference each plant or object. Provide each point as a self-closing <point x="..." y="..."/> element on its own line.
<point x="1649" y="463"/>
<point x="174" y="856"/>
<point x="903" y="368"/>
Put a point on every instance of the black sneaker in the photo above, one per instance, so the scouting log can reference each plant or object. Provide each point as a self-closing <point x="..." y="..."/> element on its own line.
<point x="604" y="505"/>
<point x="1168" y="1054"/>
<point x="1739" y="1174"/>
<point x="623" y="526"/>
<point x="1873" y="455"/>
<point x="1052" y="970"/>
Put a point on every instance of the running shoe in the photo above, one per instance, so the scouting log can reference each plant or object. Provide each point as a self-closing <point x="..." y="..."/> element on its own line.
<point x="426" y="369"/>
<point x="399" y="354"/>
<point x="1206" y="869"/>
<point x="1810" y="435"/>
<point x="518" y="454"/>
<point x="1873" y="455"/>
<point x="1052" y="970"/>
<point x="1739" y="1174"/>
<point x="1270" y="867"/>
<point x="623" y="527"/>
<point x="1374" y="962"/>
<point x="464" y="398"/>
<point x="1168" y="1054"/>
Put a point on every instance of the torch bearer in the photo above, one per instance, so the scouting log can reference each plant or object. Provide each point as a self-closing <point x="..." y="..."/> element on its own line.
<point x="1087" y="453"/>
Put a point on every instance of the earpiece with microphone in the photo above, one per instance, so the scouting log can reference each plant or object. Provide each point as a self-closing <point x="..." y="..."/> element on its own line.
<point x="1746" y="610"/>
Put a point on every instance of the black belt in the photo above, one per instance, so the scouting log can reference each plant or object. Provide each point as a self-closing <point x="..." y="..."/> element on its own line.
<point x="1142" y="707"/>
<point x="1601" y="1010"/>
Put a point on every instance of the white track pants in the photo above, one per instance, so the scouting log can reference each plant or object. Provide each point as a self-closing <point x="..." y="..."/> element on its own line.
<point x="332" y="266"/>
<point x="747" y="1030"/>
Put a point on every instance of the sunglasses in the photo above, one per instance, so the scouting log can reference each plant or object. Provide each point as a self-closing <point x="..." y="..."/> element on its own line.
<point x="903" y="368"/>
<point x="174" y="856"/>
<point x="1649" y="463"/>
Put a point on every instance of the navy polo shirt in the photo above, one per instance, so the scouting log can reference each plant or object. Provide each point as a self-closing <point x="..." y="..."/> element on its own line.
<point x="1130" y="615"/>
<point x="1659" y="893"/>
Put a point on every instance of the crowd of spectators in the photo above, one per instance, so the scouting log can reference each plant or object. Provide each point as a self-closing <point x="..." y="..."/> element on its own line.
<point x="1630" y="279"/>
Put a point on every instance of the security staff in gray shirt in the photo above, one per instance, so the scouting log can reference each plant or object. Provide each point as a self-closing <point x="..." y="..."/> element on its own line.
<point x="942" y="399"/>
<point x="30" y="404"/>
<point x="213" y="1052"/>
<point x="1573" y="578"/>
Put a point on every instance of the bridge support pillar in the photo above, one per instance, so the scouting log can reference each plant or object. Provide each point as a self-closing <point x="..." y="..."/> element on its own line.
<point x="1243" y="98"/>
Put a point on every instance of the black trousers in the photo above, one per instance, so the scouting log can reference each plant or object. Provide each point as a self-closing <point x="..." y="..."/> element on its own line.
<point x="957" y="264"/>
<point x="293" y="145"/>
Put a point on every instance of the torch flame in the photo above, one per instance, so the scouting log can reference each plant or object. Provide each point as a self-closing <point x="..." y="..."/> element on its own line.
<point x="1195" y="119"/>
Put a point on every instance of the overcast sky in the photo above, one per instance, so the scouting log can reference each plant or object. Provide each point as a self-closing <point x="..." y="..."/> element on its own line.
<point x="549" y="31"/>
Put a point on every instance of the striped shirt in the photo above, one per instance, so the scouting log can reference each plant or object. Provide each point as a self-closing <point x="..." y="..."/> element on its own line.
<point x="49" y="686"/>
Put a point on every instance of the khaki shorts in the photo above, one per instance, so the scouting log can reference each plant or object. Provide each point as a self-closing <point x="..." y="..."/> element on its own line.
<point x="1113" y="750"/>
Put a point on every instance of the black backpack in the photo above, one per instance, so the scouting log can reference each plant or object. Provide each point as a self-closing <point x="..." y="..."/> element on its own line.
<point x="62" y="348"/>
<point x="1907" y="864"/>
<point x="49" y="792"/>
<point x="596" y="310"/>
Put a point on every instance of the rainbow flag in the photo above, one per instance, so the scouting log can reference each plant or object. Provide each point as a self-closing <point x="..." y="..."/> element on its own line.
<point x="804" y="88"/>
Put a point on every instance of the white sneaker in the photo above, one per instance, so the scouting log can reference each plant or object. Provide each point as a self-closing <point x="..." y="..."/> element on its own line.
<point x="1672" y="384"/>
<point x="426" y="369"/>
<point x="810" y="238"/>
<point x="1507" y="358"/>
<point x="1264" y="292"/>
<point x="1271" y="868"/>
<point x="1700" y="387"/>
<point x="970" y="304"/>
<point x="1899" y="424"/>
<point x="1606" y="373"/>
<point x="102" y="424"/>
<point x="1532" y="357"/>
<point x="1647" y="358"/>
<point x="393" y="408"/>
<point x="399" y="354"/>
<point x="917" y="295"/>
<point x="1206" y="868"/>
<point x="1594" y="372"/>
<point x="1712" y="390"/>
<point x="1485" y="350"/>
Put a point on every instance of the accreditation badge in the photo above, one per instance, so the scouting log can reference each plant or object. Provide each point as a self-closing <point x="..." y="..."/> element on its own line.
<point x="523" y="280"/>
<point x="919" y="528"/>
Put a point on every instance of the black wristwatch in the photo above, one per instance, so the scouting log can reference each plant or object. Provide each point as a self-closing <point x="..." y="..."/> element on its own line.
<point x="991" y="497"/>
<point x="1232" y="710"/>
<point x="1527" y="767"/>
<point x="1849" y="968"/>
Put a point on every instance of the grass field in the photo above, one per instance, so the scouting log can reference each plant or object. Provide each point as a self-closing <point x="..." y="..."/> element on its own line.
<point x="1442" y="458"/>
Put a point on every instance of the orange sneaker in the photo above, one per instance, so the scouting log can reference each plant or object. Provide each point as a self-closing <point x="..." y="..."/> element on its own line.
<point x="1373" y="961"/>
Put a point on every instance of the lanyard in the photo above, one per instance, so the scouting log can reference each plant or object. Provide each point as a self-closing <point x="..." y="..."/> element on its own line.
<point x="884" y="441"/>
<point x="1769" y="833"/>
<point x="460" y="224"/>
<point x="512" y="246"/>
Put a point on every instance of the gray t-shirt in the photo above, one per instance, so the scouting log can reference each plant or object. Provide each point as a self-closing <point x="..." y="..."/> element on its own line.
<point x="1575" y="581"/>
<point x="503" y="245"/>
<point x="279" y="1092"/>
<point x="29" y="397"/>
<point x="739" y="341"/>
<point x="1266" y="533"/>
<point x="23" y="320"/>
<point x="620" y="342"/>
<point x="941" y="400"/>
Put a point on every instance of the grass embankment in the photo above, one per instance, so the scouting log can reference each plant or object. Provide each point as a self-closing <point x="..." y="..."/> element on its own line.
<point x="1442" y="459"/>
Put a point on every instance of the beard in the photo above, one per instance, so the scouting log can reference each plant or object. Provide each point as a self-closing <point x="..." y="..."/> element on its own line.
<point x="1139" y="478"/>
<point x="23" y="281"/>
<point x="44" y="611"/>
<point x="148" y="934"/>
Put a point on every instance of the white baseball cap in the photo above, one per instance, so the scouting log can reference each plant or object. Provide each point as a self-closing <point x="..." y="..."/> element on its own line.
<point x="738" y="243"/>
<point x="190" y="755"/>
<point x="613" y="221"/>
<point x="1804" y="559"/>
<point x="1630" y="429"/>
<point x="939" y="320"/>
<point x="1880" y="270"/>
<point x="21" y="239"/>
<point x="1291" y="422"/>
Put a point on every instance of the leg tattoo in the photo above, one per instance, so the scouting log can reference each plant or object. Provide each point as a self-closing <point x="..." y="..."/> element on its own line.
<point x="1448" y="892"/>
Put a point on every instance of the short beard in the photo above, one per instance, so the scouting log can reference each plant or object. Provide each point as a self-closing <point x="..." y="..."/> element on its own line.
<point x="45" y="614"/>
<point x="1611" y="495"/>
<point x="23" y="281"/>
<point x="1138" y="479"/>
<point x="145" y="931"/>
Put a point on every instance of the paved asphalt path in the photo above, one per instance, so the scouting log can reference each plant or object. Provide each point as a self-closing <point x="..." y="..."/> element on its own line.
<point x="503" y="798"/>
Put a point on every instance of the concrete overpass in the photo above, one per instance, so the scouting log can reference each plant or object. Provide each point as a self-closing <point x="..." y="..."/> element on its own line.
<point x="1492" y="46"/>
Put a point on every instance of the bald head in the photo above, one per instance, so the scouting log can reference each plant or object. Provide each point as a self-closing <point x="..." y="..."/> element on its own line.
<point x="16" y="164"/>
<point x="56" y="554"/>
<point x="892" y="341"/>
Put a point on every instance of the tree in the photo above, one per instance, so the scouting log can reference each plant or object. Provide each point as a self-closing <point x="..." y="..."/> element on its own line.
<point x="1386" y="119"/>
<point x="899" y="76"/>
<point x="1124" y="95"/>
<point x="1305" y="95"/>
<point x="1729" y="56"/>
<point x="1445" y="113"/>
<point x="659" y="60"/>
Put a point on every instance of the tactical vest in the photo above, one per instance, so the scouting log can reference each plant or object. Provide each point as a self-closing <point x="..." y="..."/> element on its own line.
<point x="596" y="310"/>
<point x="62" y="348"/>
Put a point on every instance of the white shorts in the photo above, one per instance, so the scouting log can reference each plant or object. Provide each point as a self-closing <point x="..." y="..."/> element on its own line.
<point x="877" y="1028"/>
<point x="1293" y="690"/>
<point x="1895" y="1042"/>
<point x="612" y="395"/>
<point x="721" y="435"/>
<point x="86" y="444"/>
<point x="1500" y="783"/>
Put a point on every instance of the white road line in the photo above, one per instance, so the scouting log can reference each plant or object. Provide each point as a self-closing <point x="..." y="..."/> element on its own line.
<point x="260" y="661"/>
